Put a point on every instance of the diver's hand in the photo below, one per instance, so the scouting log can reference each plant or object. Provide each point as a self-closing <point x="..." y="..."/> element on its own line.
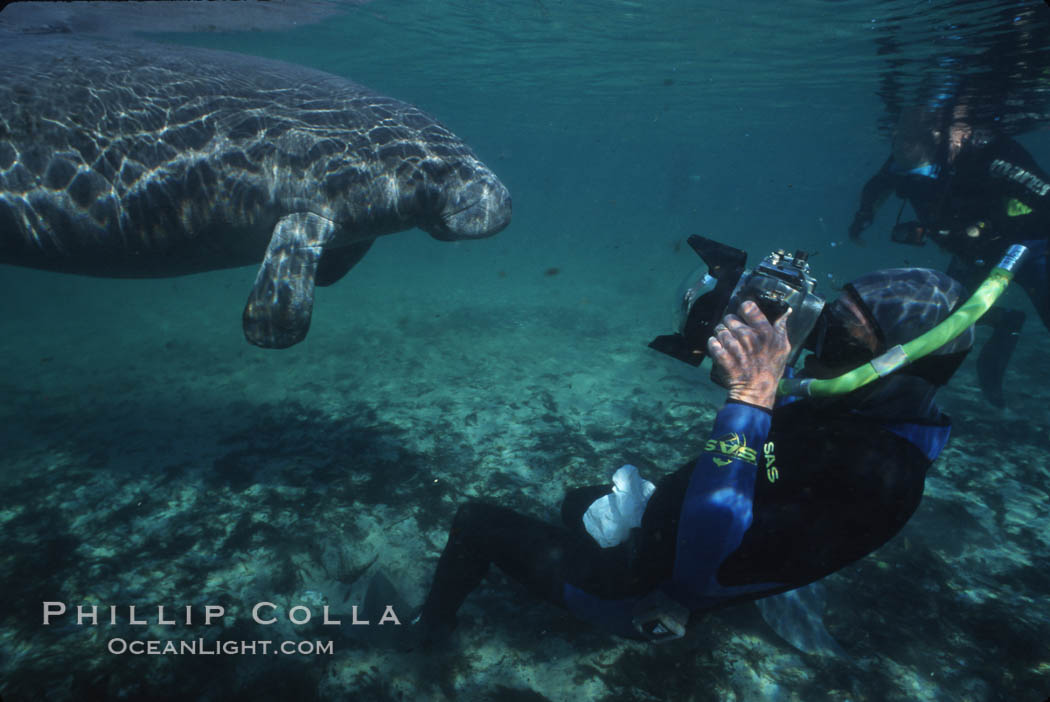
<point x="751" y="353"/>
<point x="861" y="221"/>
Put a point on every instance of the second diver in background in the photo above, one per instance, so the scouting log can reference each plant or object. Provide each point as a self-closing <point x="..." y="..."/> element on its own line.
<point x="975" y="193"/>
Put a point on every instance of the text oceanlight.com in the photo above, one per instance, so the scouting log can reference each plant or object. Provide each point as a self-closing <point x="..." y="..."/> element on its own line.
<point x="200" y="647"/>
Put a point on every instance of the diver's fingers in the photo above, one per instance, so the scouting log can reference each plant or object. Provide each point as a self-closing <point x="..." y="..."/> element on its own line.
<point x="753" y="314"/>
<point x="762" y="331"/>
<point x="736" y="326"/>
<point x="723" y="358"/>
<point x="717" y="351"/>
<point x="780" y="335"/>
<point x="730" y="339"/>
<point x="750" y="335"/>
<point x="731" y="320"/>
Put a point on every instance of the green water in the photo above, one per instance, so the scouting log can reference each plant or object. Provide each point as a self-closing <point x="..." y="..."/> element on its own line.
<point x="149" y="455"/>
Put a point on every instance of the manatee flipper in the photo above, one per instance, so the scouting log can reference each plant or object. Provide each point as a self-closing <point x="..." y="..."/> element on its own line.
<point x="281" y="302"/>
<point x="335" y="263"/>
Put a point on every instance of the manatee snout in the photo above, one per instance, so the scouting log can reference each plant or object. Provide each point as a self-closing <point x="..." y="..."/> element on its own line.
<point x="477" y="209"/>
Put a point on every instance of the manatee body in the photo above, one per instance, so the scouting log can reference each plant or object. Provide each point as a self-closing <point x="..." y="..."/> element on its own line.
<point x="129" y="159"/>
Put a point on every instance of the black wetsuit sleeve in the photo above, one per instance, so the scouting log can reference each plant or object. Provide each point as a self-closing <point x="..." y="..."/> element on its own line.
<point x="1014" y="173"/>
<point x="878" y="188"/>
<point x="872" y="195"/>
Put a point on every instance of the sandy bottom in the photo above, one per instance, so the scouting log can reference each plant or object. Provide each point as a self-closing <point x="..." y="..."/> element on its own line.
<point x="152" y="457"/>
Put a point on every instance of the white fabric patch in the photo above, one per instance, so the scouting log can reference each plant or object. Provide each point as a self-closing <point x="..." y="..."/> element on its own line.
<point x="610" y="519"/>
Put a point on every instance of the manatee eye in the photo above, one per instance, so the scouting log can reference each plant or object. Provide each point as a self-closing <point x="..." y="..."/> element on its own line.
<point x="427" y="197"/>
<point x="436" y="171"/>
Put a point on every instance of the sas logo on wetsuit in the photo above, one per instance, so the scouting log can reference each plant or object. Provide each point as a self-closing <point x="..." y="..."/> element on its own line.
<point x="771" y="469"/>
<point x="731" y="447"/>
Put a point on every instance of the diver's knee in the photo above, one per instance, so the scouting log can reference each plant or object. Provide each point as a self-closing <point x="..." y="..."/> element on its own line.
<point x="471" y="513"/>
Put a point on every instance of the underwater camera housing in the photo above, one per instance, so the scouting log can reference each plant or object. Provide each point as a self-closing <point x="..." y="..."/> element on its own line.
<point x="780" y="282"/>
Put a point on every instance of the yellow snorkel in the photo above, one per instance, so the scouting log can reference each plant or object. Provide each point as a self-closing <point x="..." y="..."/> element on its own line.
<point x="901" y="355"/>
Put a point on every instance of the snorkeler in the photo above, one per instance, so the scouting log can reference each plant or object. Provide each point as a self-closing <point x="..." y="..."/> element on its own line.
<point x="782" y="495"/>
<point x="975" y="193"/>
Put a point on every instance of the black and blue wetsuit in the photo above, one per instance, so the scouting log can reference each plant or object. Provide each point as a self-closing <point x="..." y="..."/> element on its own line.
<point x="992" y="194"/>
<point x="776" y="500"/>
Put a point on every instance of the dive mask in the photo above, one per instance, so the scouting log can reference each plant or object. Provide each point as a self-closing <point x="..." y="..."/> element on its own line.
<point x="836" y="342"/>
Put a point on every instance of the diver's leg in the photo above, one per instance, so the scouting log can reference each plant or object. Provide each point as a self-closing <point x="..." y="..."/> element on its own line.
<point x="995" y="355"/>
<point x="1006" y="324"/>
<point x="528" y="550"/>
<point x="541" y="556"/>
<point x="1035" y="281"/>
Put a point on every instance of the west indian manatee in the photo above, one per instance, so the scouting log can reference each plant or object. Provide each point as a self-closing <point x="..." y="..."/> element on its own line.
<point x="129" y="159"/>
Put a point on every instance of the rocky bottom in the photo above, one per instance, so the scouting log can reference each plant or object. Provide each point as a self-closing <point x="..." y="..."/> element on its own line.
<point x="153" y="458"/>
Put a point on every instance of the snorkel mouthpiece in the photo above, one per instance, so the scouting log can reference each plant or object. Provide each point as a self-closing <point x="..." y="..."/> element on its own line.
<point x="1012" y="259"/>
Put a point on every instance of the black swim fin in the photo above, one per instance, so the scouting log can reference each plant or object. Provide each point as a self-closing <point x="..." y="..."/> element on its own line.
<point x="995" y="355"/>
<point x="798" y="617"/>
<point x="389" y="615"/>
